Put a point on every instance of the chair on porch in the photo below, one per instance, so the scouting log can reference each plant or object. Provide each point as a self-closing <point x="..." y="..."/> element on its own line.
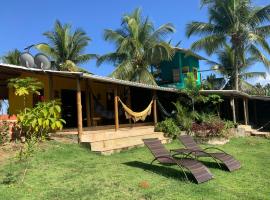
<point x="192" y="148"/>
<point x="197" y="169"/>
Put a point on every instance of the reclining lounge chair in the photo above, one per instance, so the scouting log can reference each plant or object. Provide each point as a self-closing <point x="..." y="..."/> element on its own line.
<point x="192" y="148"/>
<point x="198" y="170"/>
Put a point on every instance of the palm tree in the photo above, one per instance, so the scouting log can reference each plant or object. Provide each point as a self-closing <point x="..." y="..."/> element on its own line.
<point x="224" y="65"/>
<point x="65" y="45"/>
<point x="139" y="46"/>
<point x="238" y="22"/>
<point x="12" y="57"/>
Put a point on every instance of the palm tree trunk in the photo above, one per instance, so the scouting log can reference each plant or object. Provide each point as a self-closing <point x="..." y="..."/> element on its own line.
<point x="236" y="69"/>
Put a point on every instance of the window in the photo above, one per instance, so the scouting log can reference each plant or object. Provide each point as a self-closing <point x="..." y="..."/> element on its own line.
<point x="185" y="70"/>
<point x="195" y="72"/>
<point x="176" y="75"/>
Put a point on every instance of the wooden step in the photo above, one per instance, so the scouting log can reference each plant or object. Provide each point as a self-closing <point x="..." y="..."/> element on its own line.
<point x="95" y="136"/>
<point x="260" y="134"/>
<point x="124" y="142"/>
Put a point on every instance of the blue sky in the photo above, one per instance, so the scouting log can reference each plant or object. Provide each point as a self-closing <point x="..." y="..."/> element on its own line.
<point x="23" y="22"/>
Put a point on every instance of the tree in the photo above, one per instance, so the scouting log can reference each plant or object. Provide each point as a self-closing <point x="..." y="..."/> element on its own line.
<point x="66" y="45"/>
<point x="267" y="89"/>
<point x="12" y="57"/>
<point x="224" y="65"/>
<point x="139" y="46"/>
<point x="192" y="90"/>
<point x="25" y="86"/>
<point x="238" y="22"/>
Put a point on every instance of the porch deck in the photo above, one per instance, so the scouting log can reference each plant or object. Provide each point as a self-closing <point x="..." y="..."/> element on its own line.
<point x="108" y="141"/>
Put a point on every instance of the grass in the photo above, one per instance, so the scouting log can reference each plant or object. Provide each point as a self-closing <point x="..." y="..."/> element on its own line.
<point x="70" y="171"/>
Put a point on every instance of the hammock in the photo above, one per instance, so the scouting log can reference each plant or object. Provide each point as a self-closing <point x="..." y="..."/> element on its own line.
<point x="163" y="111"/>
<point x="136" y="116"/>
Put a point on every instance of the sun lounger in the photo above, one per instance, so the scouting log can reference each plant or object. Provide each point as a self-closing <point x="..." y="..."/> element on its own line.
<point x="197" y="169"/>
<point x="192" y="148"/>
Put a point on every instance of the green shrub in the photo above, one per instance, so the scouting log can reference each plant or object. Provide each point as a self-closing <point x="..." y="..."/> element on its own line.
<point x="41" y="120"/>
<point x="183" y="117"/>
<point x="4" y="132"/>
<point x="169" y="127"/>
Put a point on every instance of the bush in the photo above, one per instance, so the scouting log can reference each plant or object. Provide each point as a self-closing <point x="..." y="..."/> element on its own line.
<point x="4" y="132"/>
<point x="210" y="125"/>
<point x="41" y="120"/>
<point x="169" y="127"/>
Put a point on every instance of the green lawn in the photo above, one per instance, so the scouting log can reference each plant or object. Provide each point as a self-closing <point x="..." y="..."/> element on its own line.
<point x="69" y="171"/>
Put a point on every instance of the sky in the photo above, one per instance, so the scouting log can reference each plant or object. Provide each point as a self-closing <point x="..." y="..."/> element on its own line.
<point x="24" y="22"/>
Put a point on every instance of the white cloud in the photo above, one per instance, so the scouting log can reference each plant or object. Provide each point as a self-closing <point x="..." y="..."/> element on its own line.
<point x="261" y="80"/>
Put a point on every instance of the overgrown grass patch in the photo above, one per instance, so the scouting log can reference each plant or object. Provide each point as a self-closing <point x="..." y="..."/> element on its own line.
<point x="70" y="171"/>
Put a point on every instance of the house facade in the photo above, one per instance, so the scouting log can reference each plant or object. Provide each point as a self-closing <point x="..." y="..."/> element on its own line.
<point x="174" y="72"/>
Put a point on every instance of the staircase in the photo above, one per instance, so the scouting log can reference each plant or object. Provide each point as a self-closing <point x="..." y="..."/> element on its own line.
<point x="249" y="131"/>
<point x="109" y="141"/>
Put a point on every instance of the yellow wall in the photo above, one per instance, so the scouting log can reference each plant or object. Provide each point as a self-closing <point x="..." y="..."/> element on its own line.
<point x="59" y="83"/>
<point x="16" y="103"/>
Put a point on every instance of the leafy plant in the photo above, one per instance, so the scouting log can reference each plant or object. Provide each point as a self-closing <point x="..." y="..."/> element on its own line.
<point x="216" y="100"/>
<point x="4" y="132"/>
<point x="12" y="57"/>
<point x="42" y="119"/>
<point x="192" y="90"/>
<point x="169" y="127"/>
<point x="25" y="86"/>
<point x="183" y="117"/>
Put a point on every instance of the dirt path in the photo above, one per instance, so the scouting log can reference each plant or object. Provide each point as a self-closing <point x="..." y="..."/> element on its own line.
<point x="8" y="151"/>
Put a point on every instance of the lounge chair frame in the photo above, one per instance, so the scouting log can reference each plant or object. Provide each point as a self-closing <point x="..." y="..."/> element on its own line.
<point x="196" y="168"/>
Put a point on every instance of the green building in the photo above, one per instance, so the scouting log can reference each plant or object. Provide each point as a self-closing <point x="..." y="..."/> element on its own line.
<point x="174" y="72"/>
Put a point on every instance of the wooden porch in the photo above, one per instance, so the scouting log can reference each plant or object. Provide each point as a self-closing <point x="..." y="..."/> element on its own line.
<point x="106" y="140"/>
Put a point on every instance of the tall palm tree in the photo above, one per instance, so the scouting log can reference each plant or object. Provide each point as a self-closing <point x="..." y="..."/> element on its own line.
<point x="139" y="46"/>
<point x="238" y="22"/>
<point x="12" y="57"/>
<point x="66" y="45"/>
<point x="226" y="60"/>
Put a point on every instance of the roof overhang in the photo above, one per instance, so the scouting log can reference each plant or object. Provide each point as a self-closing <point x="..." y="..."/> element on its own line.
<point x="82" y="75"/>
<point x="228" y="93"/>
<point x="188" y="52"/>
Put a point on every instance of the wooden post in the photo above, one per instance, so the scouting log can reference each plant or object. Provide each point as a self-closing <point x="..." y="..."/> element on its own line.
<point x="92" y="103"/>
<point x="233" y="109"/>
<point x="116" y="109"/>
<point x="79" y="109"/>
<point x="87" y="101"/>
<point x="129" y="103"/>
<point x="155" y="107"/>
<point x="50" y="87"/>
<point x="245" y="104"/>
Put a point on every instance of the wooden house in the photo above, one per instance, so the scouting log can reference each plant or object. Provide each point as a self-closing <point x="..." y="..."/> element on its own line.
<point x="174" y="72"/>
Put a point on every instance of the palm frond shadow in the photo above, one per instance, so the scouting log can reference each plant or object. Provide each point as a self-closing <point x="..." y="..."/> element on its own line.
<point x="163" y="170"/>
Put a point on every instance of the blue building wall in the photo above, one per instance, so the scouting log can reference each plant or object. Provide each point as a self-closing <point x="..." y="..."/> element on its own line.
<point x="183" y="63"/>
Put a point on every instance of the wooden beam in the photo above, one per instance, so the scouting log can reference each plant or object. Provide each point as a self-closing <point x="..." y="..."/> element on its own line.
<point x="129" y="103"/>
<point x="245" y="104"/>
<point x="232" y="102"/>
<point x="155" y="107"/>
<point x="79" y="109"/>
<point x="50" y="78"/>
<point x="245" y="111"/>
<point x="92" y="103"/>
<point x="116" y="117"/>
<point x="87" y="102"/>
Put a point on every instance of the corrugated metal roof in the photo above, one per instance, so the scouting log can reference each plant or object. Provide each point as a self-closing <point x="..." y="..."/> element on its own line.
<point x="91" y="76"/>
<point x="189" y="52"/>
<point x="130" y="83"/>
